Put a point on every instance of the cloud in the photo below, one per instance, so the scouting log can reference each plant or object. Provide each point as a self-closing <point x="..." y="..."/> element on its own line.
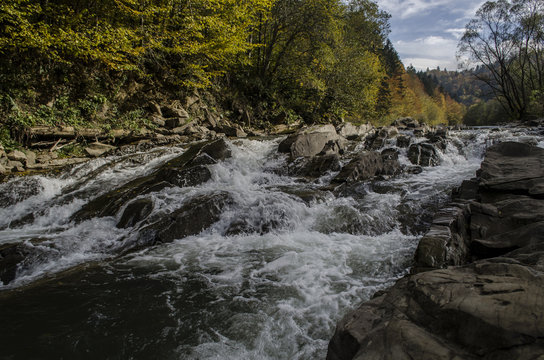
<point x="430" y="51"/>
<point x="426" y="32"/>
<point x="404" y="9"/>
<point x="457" y="33"/>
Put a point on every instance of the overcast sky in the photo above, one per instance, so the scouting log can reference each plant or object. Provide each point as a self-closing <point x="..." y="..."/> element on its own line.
<point x="425" y="33"/>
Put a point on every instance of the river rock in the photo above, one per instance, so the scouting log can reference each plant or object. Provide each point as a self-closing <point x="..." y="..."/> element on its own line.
<point x="403" y="141"/>
<point x="491" y="309"/>
<point x="193" y="217"/>
<point x="406" y="123"/>
<point x="447" y="242"/>
<point x="423" y="154"/>
<point x="378" y="139"/>
<point x="353" y="132"/>
<point x="135" y="212"/>
<point x="505" y="225"/>
<point x="391" y="165"/>
<point x="11" y="255"/>
<point x="366" y="165"/>
<point x="316" y="166"/>
<point x="467" y="191"/>
<point x="98" y="149"/>
<point x="17" y="155"/>
<point x="188" y="169"/>
<point x="310" y="142"/>
<point x="513" y="167"/>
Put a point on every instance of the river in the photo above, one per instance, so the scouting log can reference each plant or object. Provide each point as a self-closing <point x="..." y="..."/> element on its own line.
<point x="307" y="256"/>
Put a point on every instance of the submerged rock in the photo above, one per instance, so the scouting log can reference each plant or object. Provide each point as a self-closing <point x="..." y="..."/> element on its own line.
<point x="316" y="166"/>
<point x="11" y="255"/>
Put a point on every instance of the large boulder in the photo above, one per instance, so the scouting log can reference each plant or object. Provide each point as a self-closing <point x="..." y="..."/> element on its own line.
<point x="513" y="167"/>
<point x="310" y="141"/>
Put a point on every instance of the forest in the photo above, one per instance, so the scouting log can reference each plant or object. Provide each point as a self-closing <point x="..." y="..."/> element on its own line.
<point x="100" y="63"/>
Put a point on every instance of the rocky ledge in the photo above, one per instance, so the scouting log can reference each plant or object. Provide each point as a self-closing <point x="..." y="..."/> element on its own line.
<point x="476" y="290"/>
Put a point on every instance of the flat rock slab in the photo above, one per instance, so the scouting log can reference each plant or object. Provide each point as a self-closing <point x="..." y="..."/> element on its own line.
<point x="513" y="167"/>
<point x="491" y="309"/>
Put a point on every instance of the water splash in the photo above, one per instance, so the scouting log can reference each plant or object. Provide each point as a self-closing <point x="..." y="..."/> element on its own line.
<point x="269" y="280"/>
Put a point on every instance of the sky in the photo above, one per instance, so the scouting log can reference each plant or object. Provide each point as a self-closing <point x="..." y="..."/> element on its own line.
<point x="425" y="33"/>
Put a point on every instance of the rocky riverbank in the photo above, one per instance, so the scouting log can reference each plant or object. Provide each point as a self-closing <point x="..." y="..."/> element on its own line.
<point x="46" y="146"/>
<point x="312" y="152"/>
<point x="352" y="154"/>
<point x="477" y="286"/>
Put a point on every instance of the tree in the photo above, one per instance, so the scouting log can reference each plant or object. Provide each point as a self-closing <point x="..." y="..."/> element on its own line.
<point x="507" y="38"/>
<point x="197" y="39"/>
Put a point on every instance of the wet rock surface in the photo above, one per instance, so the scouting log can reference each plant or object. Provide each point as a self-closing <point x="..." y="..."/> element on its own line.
<point x="189" y="169"/>
<point x="194" y="216"/>
<point x="477" y="285"/>
<point x="423" y="154"/>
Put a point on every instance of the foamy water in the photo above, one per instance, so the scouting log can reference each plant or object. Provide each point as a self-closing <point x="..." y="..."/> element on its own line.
<point x="274" y="291"/>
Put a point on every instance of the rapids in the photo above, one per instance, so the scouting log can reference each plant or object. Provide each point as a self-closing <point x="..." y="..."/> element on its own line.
<point x="275" y="292"/>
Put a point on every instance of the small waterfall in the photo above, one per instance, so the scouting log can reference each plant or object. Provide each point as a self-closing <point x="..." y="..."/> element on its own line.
<point x="269" y="279"/>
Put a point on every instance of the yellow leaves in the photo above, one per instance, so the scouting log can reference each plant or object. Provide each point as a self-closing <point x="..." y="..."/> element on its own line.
<point x="206" y="36"/>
